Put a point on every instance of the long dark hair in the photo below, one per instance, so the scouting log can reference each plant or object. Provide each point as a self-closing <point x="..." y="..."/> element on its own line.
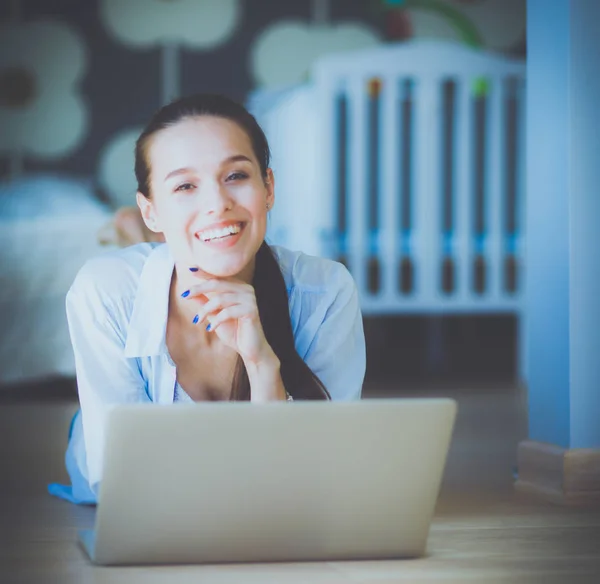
<point x="269" y="285"/>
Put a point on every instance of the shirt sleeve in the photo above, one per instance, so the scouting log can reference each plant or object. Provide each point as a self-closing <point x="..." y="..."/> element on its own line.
<point x="105" y="377"/>
<point x="334" y="338"/>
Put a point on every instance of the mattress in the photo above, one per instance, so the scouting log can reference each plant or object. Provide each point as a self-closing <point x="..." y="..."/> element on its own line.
<point x="48" y="229"/>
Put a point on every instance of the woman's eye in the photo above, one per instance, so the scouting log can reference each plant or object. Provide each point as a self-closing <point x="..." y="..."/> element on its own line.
<point x="185" y="187"/>
<point x="237" y="176"/>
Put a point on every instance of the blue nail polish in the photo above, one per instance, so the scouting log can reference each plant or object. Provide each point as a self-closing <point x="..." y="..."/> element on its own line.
<point x="185" y="294"/>
<point x="193" y="269"/>
<point x="208" y="327"/>
<point x="196" y="319"/>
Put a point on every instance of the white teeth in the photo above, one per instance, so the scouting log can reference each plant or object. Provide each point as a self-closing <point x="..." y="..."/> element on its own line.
<point x="218" y="233"/>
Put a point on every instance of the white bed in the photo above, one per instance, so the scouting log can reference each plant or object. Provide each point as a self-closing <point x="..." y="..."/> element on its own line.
<point x="48" y="229"/>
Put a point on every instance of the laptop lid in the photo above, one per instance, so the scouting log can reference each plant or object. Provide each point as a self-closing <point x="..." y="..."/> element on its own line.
<point x="241" y="482"/>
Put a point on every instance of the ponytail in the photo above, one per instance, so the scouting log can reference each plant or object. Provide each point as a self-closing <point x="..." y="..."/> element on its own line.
<point x="273" y="308"/>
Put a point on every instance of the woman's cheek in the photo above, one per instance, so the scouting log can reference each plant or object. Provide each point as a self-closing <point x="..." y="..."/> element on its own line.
<point x="180" y="217"/>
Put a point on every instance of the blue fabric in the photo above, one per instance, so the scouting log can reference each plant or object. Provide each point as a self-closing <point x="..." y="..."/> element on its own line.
<point x="79" y="490"/>
<point x="117" y="310"/>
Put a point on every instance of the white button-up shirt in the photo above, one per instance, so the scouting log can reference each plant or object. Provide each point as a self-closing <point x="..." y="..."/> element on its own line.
<point x="117" y="310"/>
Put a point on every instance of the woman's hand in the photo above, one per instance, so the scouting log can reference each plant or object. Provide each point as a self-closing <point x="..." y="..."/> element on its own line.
<point x="230" y="311"/>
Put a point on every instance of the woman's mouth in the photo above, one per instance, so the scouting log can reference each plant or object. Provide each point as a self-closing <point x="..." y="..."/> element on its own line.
<point x="222" y="236"/>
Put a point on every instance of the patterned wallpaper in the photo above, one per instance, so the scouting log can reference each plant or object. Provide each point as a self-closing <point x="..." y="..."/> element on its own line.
<point x="78" y="78"/>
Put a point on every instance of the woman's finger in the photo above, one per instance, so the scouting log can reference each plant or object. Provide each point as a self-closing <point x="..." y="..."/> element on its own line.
<point x="231" y="313"/>
<point x="217" y="303"/>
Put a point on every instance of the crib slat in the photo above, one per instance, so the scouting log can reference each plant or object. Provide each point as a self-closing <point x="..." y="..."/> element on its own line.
<point x="496" y="188"/>
<point x="521" y="182"/>
<point x="463" y="250"/>
<point x="510" y="275"/>
<point x="406" y="164"/>
<point x="389" y="209"/>
<point x="427" y="202"/>
<point x="358" y="201"/>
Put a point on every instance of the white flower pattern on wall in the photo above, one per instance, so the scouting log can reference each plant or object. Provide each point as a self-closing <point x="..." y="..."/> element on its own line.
<point x="193" y="23"/>
<point x="170" y="24"/>
<point x="41" y="111"/>
<point x="284" y="52"/>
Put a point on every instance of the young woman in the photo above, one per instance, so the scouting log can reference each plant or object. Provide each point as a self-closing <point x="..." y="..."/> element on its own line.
<point x="214" y="313"/>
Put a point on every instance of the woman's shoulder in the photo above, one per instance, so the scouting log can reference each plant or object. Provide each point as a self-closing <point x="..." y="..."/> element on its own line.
<point x="304" y="272"/>
<point x="115" y="272"/>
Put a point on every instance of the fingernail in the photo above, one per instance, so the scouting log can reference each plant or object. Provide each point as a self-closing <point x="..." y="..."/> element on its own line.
<point x="185" y="294"/>
<point x="208" y="327"/>
<point x="193" y="269"/>
<point x="196" y="319"/>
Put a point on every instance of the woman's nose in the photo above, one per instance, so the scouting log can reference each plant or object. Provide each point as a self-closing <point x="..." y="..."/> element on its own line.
<point x="216" y="200"/>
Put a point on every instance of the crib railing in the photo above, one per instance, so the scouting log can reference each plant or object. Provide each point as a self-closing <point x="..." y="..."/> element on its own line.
<point x="421" y="151"/>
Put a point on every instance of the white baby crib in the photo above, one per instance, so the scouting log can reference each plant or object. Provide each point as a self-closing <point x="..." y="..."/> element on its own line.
<point x="406" y="161"/>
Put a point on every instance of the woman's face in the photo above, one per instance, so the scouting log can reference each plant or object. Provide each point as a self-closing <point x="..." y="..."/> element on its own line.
<point x="208" y="196"/>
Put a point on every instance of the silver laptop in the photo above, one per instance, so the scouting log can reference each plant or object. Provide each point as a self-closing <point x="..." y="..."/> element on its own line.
<point x="241" y="482"/>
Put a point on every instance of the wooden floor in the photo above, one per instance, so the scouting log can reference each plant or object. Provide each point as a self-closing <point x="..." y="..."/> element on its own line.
<point x="481" y="532"/>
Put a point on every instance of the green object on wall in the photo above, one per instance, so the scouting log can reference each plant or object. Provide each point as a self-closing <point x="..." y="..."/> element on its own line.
<point x="480" y="87"/>
<point x="460" y="21"/>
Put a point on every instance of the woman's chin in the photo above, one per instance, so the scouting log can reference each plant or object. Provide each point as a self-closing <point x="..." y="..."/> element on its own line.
<point x="224" y="266"/>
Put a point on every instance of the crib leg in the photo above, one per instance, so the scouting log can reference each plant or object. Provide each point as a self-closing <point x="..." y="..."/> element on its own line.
<point x="435" y="346"/>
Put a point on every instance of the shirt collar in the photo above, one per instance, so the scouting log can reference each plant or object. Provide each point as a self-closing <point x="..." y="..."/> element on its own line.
<point x="146" y="335"/>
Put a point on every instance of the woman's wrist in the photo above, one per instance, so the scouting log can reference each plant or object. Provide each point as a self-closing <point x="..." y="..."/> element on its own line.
<point x="265" y="378"/>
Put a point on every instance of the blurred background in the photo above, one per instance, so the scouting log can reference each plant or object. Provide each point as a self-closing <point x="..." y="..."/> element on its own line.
<point x="398" y="144"/>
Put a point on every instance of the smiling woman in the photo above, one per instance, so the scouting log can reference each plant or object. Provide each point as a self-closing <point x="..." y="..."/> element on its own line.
<point x="214" y="313"/>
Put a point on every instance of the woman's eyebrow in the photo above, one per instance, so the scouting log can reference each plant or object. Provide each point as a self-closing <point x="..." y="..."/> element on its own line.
<point x="237" y="158"/>
<point x="178" y="171"/>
